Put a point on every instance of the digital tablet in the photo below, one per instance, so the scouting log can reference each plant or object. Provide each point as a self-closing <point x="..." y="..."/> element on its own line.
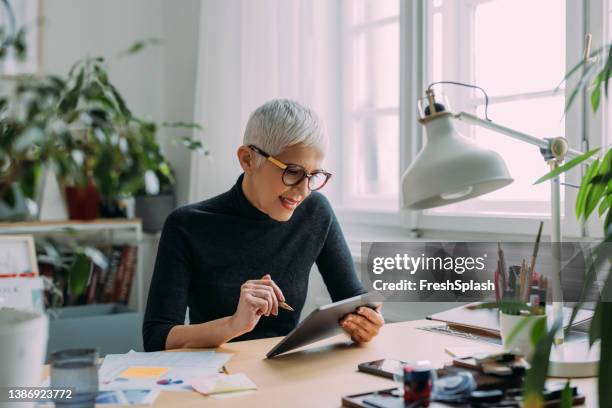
<point x="323" y="322"/>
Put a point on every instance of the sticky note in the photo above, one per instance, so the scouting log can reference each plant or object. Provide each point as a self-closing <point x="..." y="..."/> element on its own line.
<point x="143" y="372"/>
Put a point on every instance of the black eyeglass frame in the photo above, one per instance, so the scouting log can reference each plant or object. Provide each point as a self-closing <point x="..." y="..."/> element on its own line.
<point x="289" y="166"/>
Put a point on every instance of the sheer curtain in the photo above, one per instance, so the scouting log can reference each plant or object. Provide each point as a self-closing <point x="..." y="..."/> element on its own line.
<point x="251" y="52"/>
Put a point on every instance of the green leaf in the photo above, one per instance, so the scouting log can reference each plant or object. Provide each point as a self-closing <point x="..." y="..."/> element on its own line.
<point x="599" y="257"/>
<point x="138" y="46"/>
<point x="585" y="188"/>
<point x="516" y="330"/>
<point x="596" y="96"/>
<point x="183" y="125"/>
<point x="595" y="328"/>
<point x="576" y="67"/>
<point x="512" y="307"/>
<point x="607" y="71"/>
<point x="593" y="198"/>
<point x="566" y="396"/>
<point x="536" y="375"/>
<point x="604" y="205"/>
<point x="605" y="362"/>
<point x="120" y="102"/>
<point x="584" y="79"/>
<point x="78" y="274"/>
<point x="194" y="145"/>
<point x="30" y="180"/>
<point x="567" y="166"/>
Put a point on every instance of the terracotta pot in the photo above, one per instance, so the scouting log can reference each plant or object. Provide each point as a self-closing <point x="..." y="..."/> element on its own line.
<point x="82" y="202"/>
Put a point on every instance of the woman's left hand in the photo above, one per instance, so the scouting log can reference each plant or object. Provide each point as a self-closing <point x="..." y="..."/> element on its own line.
<point x="363" y="325"/>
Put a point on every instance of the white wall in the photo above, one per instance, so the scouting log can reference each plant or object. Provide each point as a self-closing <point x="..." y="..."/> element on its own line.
<point x="74" y="29"/>
<point x="181" y="37"/>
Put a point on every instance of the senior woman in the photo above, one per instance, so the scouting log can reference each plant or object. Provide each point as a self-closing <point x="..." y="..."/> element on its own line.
<point x="233" y="258"/>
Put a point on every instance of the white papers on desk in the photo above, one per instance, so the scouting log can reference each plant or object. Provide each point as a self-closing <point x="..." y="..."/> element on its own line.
<point x="182" y="368"/>
<point x="127" y="397"/>
<point x="223" y="384"/>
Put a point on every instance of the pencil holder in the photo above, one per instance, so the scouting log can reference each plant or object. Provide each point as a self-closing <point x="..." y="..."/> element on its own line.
<point x="515" y="332"/>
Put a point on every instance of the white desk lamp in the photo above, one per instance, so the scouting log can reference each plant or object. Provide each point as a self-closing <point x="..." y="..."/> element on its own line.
<point x="452" y="168"/>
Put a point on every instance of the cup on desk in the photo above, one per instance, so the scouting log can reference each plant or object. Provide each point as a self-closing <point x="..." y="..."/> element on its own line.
<point x="75" y="369"/>
<point x="23" y="343"/>
<point x="515" y="337"/>
<point x="402" y="376"/>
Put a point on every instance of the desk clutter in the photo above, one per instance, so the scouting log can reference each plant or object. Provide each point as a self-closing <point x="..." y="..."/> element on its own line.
<point x="479" y="380"/>
<point x="136" y="378"/>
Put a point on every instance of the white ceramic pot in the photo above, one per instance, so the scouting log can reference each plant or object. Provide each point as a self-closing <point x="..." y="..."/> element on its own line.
<point x="522" y="339"/>
<point x="23" y="344"/>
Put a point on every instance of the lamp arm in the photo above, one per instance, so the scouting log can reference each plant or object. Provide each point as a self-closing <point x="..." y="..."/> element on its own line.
<point x="536" y="141"/>
<point x="545" y="145"/>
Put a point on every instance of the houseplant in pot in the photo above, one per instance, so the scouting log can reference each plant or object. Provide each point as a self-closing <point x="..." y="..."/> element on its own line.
<point x="113" y="151"/>
<point x="594" y="199"/>
<point x="29" y="135"/>
<point x="155" y="202"/>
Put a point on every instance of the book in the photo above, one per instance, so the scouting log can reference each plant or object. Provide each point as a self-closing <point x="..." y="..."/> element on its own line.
<point x="111" y="276"/>
<point x="129" y="261"/>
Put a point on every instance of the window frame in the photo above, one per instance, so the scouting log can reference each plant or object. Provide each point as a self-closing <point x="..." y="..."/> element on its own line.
<point x="413" y="25"/>
<point x="387" y="209"/>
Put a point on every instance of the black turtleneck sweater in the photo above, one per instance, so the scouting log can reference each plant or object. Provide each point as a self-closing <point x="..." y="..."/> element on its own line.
<point x="209" y="249"/>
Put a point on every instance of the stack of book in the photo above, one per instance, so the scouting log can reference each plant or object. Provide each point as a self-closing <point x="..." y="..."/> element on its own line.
<point x="112" y="285"/>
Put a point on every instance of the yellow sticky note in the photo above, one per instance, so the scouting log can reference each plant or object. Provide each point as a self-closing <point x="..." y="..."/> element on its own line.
<point x="143" y="372"/>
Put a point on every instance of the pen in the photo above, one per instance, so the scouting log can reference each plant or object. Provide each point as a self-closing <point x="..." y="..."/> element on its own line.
<point x="533" y="259"/>
<point x="502" y="266"/>
<point x="286" y="306"/>
<point x="280" y="304"/>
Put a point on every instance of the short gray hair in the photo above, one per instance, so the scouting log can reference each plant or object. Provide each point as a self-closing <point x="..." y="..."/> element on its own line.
<point x="282" y="123"/>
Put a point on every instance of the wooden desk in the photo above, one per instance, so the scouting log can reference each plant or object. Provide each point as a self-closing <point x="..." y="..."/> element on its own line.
<point x="319" y="375"/>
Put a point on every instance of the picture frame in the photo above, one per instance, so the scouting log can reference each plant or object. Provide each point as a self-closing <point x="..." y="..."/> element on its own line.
<point x="18" y="257"/>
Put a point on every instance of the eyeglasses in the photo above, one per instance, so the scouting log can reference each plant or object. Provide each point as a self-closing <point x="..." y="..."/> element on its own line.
<point x="293" y="174"/>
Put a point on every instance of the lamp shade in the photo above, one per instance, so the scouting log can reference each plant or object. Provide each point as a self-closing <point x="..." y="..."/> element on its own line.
<point x="451" y="168"/>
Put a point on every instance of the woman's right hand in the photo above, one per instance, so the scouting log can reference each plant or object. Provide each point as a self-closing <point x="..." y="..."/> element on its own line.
<point x="257" y="298"/>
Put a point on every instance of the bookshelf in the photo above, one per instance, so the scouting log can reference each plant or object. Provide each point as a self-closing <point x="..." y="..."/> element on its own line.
<point x="126" y="229"/>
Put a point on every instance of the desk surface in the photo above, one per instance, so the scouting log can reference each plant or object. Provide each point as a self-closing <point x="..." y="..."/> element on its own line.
<point x="319" y="375"/>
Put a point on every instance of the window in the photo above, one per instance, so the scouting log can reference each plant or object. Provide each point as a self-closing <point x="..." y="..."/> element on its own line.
<point x="500" y="45"/>
<point x="370" y="176"/>
<point x="479" y="42"/>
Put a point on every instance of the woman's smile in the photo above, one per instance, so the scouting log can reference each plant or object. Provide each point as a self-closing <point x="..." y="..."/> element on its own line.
<point x="290" y="203"/>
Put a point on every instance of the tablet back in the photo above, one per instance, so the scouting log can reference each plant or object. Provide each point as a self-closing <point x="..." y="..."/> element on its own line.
<point x="322" y="323"/>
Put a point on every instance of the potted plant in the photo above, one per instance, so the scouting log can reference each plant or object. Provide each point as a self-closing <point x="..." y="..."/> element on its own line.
<point x="153" y="203"/>
<point x="594" y="197"/>
<point x="83" y="130"/>
<point x="113" y="151"/>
